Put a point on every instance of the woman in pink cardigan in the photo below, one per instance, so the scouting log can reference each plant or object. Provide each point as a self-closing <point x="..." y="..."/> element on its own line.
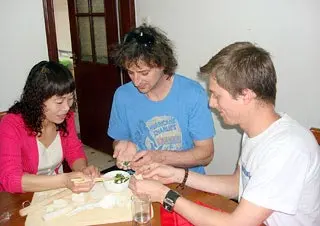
<point x="39" y="132"/>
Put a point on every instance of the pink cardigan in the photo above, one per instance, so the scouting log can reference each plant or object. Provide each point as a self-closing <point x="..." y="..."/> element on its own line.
<point x="19" y="151"/>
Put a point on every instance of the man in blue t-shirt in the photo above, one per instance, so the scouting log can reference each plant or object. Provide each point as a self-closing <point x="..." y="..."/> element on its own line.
<point x="160" y="116"/>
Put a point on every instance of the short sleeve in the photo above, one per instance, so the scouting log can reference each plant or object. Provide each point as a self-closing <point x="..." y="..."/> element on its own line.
<point x="201" y="124"/>
<point x="118" y="126"/>
<point x="278" y="182"/>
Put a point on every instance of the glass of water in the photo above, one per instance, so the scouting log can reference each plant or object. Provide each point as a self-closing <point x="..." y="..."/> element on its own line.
<point x="141" y="210"/>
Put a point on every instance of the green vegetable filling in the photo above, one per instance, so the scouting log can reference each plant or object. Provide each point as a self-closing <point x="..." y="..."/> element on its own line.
<point x="119" y="178"/>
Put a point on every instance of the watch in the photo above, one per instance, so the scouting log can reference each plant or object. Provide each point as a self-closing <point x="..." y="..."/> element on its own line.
<point x="170" y="200"/>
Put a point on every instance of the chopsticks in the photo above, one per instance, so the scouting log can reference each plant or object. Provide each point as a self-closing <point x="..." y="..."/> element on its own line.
<point x="97" y="179"/>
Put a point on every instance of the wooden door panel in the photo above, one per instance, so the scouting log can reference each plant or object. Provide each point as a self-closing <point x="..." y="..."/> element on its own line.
<point x="95" y="94"/>
<point x="96" y="79"/>
<point x="95" y="82"/>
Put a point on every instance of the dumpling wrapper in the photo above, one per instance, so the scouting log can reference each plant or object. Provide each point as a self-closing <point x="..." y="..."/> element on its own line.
<point x="56" y="213"/>
<point x="138" y="176"/>
<point x="59" y="203"/>
<point x="78" y="198"/>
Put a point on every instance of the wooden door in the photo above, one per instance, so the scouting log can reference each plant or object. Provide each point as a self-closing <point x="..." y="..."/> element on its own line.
<point x="94" y="28"/>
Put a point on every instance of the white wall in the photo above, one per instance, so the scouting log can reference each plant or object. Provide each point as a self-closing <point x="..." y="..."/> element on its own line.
<point x="61" y="16"/>
<point x="22" y="44"/>
<point x="288" y="29"/>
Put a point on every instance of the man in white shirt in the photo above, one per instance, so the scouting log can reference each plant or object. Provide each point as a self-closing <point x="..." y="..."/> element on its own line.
<point x="277" y="180"/>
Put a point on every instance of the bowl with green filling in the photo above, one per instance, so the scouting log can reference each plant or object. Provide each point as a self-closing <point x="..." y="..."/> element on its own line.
<point x="116" y="180"/>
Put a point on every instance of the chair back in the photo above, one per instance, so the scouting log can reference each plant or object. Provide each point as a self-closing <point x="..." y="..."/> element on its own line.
<point x="3" y="113"/>
<point x="316" y="133"/>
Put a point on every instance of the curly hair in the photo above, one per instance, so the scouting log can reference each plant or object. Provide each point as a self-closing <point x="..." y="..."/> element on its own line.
<point x="45" y="80"/>
<point x="148" y="44"/>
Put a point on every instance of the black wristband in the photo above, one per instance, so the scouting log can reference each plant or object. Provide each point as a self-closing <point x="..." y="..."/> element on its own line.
<point x="170" y="200"/>
<point x="186" y="174"/>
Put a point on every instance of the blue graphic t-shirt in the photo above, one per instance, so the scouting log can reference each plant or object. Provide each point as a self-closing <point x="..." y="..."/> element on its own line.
<point x="173" y="123"/>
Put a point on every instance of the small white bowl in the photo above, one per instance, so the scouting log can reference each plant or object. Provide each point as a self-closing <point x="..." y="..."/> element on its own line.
<point x="111" y="186"/>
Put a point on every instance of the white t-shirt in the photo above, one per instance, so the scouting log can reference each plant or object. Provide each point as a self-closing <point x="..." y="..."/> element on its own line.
<point x="50" y="158"/>
<point x="280" y="170"/>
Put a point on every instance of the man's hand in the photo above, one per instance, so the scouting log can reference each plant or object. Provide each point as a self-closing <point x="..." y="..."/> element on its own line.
<point x="155" y="189"/>
<point x="124" y="151"/>
<point x="143" y="158"/>
<point x="163" y="173"/>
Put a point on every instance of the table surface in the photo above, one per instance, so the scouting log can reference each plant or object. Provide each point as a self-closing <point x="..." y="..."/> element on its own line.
<point x="12" y="203"/>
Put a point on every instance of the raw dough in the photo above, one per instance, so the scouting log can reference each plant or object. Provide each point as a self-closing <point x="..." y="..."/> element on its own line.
<point x="138" y="176"/>
<point x="87" y="217"/>
<point x="78" y="198"/>
<point x="59" y="203"/>
<point x="56" y="213"/>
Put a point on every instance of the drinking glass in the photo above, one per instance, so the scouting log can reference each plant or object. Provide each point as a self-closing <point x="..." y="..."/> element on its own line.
<point x="141" y="210"/>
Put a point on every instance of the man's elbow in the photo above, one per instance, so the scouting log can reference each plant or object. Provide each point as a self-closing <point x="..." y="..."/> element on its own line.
<point x="207" y="160"/>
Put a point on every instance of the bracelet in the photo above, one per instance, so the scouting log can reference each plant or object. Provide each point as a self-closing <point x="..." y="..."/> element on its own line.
<point x="182" y="185"/>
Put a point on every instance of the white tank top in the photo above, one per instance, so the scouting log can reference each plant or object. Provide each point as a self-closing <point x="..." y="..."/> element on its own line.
<point x="50" y="158"/>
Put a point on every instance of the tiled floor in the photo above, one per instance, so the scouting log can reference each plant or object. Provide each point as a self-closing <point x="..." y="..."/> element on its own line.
<point x="99" y="159"/>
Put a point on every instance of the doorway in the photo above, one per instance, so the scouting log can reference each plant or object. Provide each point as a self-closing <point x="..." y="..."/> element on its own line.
<point x="95" y="25"/>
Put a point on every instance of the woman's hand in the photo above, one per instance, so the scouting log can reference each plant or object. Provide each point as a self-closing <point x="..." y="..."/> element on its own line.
<point x="91" y="171"/>
<point x="163" y="173"/>
<point x="155" y="189"/>
<point x="124" y="151"/>
<point x="82" y="183"/>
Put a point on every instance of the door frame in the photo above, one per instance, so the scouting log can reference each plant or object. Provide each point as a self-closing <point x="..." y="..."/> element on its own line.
<point x="125" y="7"/>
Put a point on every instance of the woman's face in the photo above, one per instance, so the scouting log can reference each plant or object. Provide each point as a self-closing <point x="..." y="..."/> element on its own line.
<point x="57" y="107"/>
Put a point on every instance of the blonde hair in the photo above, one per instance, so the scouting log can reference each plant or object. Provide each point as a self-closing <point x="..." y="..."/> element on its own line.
<point x="243" y="65"/>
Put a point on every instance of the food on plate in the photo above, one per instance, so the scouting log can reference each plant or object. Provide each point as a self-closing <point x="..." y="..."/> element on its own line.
<point x="119" y="182"/>
<point x="120" y="178"/>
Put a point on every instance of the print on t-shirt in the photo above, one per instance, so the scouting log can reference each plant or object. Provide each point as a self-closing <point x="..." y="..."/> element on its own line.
<point x="245" y="176"/>
<point x="159" y="133"/>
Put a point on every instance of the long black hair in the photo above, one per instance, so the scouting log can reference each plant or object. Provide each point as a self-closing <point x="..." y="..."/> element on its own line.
<point x="46" y="79"/>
